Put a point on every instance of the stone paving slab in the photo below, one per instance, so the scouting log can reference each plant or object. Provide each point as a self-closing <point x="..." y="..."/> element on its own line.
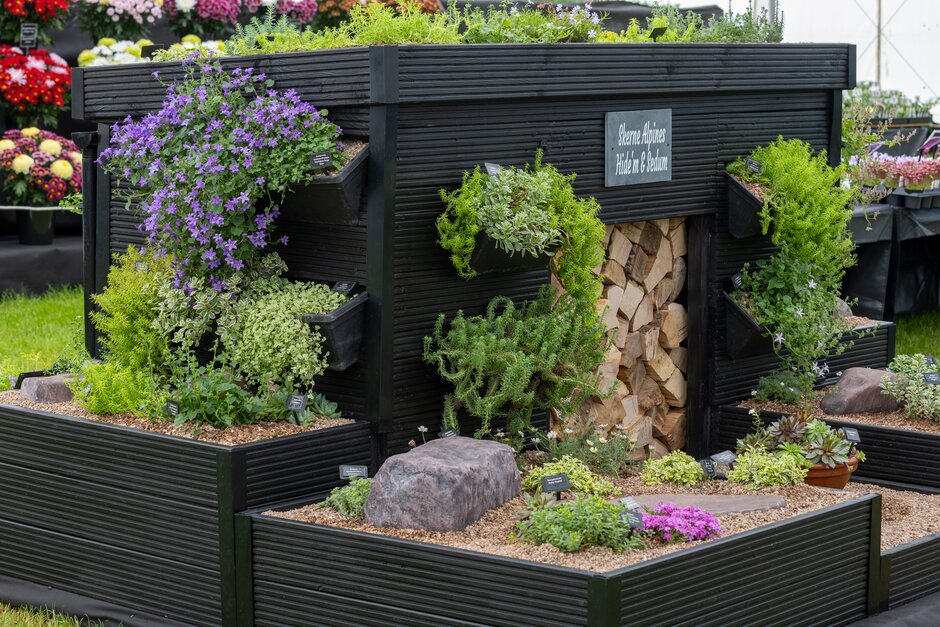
<point x="716" y="504"/>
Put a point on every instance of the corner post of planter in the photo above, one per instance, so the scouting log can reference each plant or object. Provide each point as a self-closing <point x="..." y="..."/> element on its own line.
<point x="244" y="584"/>
<point x="78" y="93"/>
<point x="892" y="341"/>
<point x="877" y="573"/>
<point x="230" y="471"/>
<point x="380" y="242"/>
<point x="603" y="601"/>
<point x="87" y="142"/>
<point x="701" y="341"/>
<point x="100" y="226"/>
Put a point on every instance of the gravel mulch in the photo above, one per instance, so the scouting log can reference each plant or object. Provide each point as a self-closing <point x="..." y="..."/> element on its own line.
<point x="906" y="515"/>
<point x="896" y="419"/>
<point x="240" y="434"/>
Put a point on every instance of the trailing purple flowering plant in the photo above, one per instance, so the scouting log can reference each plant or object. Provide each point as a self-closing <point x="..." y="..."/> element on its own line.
<point x="203" y="165"/>
<point x="671" y="524"/>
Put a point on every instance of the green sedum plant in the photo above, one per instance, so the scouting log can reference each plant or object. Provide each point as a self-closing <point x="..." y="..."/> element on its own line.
<point x="350" y="500"/>
<point x="513" y="360"/>
<point x="583" y="522"/>
<point x="677" y="467"/>
<point x="580" y="477"/>
<point x="757" y="469"/>
<point x="920" y="399"/>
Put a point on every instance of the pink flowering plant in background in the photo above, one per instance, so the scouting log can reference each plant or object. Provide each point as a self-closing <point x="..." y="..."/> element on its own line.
<point x="671" y="524"/>
<point x="212" y="18"/>
<point x="889" y="170"/>
<point x="209" y="166"/>
<point x="303" y="11"/>
<point x="120" y="19"/>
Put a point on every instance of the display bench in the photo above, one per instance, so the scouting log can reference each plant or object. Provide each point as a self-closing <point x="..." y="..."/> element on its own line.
<point x="430" y="113"/>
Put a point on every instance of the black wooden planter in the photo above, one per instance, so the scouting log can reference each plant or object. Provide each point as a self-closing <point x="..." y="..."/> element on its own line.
<point x="896" y="458"/>
<point x="342" y="331"/>
<point x="745" y="337"/>
<point x="488" y="257"/>
<point x="924" y="199"/>
<point x="911" y="571"/>
<point x="816" y="568"/>
<point x="143" y="520"/>
<point x="743" y="209"/>
<point x="332" y="199"/>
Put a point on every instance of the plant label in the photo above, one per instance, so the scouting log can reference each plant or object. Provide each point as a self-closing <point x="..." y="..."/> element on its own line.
<point x="353" y="471"/>
<point x="556" y="483"/>
<point x="754" y="165"/>
<point x="140" y="266"/>
<point x="737" y="280"/>
<point x="630" y="503"/>
<point x="931" y="361"/>
<point x="851" y="435"/>
<point x="657" y="32"/>
<point x="447" y="433"/>
<point x="931" y="378"/>
<point x="296" y="402"/>
<point x="631" y="518"/>
<point x="172" y="408"/>
<point x="320" y="160"/>
<point x="708" y="466"/>
<point x="344" y="287"/>
<point x="725" y="458"/>
<point x="29" y="35"/>
<point x="637" y="147"/>
<point x="491" y="168"/>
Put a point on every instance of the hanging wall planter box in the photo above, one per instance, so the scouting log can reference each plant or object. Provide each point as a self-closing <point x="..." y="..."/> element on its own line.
<point x="898" y="458"/>
<point x="488" y="257"/>
<point x="342" y="331"/>
<point x="290" y="571"/>
<point x="743" y="209"/>
<point x="332" y="199"/>
<point x="744" y="337"/>
<point x="144" y="520"/>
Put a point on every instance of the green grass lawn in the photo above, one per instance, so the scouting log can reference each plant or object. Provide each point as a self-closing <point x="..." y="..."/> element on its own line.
<point x="919" y="333"/>
<point x="30" y="617"/>
<point x="34" y="330"/>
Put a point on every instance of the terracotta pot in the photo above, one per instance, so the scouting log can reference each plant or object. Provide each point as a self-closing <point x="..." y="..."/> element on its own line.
<point x="825" y="477"/>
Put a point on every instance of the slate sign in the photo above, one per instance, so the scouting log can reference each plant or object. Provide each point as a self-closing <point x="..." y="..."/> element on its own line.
<point x="851" y="435"/>
<point x="447" y="433"/>
<point x="344" y="287"/>
<point x="630" y="503"/>
<point x="491" y="168"/>
<point x="351" y="471"/>
<point x="29" y="35"/>
<point x="726" y="458"/>
<point x="638" y="147"/>
<point x="320" y="160"/>
<point x="754" y="165"/>
<point x="932" y="378"/>
<point x="709" y="467"/>
<point x="172" y="408"/>
<point x="631" y="518"/>
<point x="737" y="280"/>
<point x="556" y="483"/>
<point x="296" y="402"/>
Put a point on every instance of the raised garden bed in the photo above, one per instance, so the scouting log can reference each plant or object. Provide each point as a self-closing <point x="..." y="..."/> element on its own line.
<point x="910" y="571"/>
<point x="142" y="519"/>
<point x="297" y="568"/>
<point x="895" y="457"/>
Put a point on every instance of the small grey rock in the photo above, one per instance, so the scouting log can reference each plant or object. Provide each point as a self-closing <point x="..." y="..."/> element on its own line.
<point x="841" y="310"/>
<point x="859" y="392"/>
<point x="47" y="389"/>
<point x="443" y="485"/>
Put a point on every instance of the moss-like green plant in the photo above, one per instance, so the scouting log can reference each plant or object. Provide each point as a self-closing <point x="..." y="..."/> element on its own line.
<point x="580" y="477"/>
<point x="757" y="469"/>
<point x="526" y="211"/>
<point x="110" y="387"/>
<point x="350" y="500"/>
<point x="513" y="360"/>
<point x="678" y="467"/>
<point x="127" y="310"/>
<point x="265" y="337"/>
<point x="584" y="522"/>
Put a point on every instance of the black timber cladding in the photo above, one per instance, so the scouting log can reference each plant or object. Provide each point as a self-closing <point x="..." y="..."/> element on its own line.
<point x="912" y="570"/>
<point x="366" y="579"/>
<point x="434" y="111"/>
<point x="144" y="520"/>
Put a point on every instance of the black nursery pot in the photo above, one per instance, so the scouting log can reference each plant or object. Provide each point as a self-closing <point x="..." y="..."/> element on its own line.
<point x="330" y="199"/>
<point x="743" y="209"/>
<point x="35" y="227"/>
<point x="744" y="337"/>
<point x="342" y="331"/>
<point x="488" y="257"/>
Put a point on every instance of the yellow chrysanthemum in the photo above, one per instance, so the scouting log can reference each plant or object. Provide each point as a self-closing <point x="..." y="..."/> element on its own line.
<point x="85" y="57"/>
<point x="62" y="169"/>
<point x="144" y="42"/>
<point x="191" y="39"/>
<point x="133" y="50"/>
<point x="51" y="146"/>
<point x="30" y="131"/>
<point x="75" y="156"/>
<point x="6" y="144"/>
<point x="22" y="163"/>
<point x="107" y="41"/>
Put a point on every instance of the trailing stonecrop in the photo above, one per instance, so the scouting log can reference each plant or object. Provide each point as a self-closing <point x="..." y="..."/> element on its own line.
<point x="350" y="500"/>
<point x="221" y="143"/>
<point x="678" y="468"/>
<point x="530" y="210"/>
<point x="794" y="293"/>
<point x="581" y="478"/>
<point x="920" y="400"/>
<point x="515" y="359"/>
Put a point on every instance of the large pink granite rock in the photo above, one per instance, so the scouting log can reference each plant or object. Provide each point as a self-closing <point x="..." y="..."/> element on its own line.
<point x="443" y="485"/>
<point x="859" y="391"/>
<point x="47" y="389"/>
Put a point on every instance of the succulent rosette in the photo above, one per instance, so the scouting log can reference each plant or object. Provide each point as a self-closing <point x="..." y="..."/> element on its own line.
<point x="39" y="167"/>
<point x="302" y="11"/>
<point x="120" y="19"/>
<point x="111" y="52"/>
<point x="203" y="17"/>
<point x="46" y="13"/>
<point x="34" y="86"/>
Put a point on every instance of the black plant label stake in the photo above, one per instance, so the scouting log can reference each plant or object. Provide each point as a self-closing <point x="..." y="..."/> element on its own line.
<point x="630" y="503"/>
<point x="353" y="471"/>
<point x="708" y="466"/>
<point x="296" y="403"/>
<point x="344" y="287"/>
<point x="447" y="433"/>
<point x="491" y="168"/>
<point x="754" y="165"/>
<point x="556" y="483"/>
<point x="29" y="36"/>
<point x="851" y="435"/>
<point x="725" y="458"/>
<point x="320" y="160"/>
<point x="172" y="409"/>
<point x="931" y="378"/>
<point x="632" y="518"/>
<point x="737" y="280"/>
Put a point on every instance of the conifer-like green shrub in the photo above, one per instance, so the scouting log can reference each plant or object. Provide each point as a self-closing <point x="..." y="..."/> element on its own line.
<point x="110" y="387"/>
